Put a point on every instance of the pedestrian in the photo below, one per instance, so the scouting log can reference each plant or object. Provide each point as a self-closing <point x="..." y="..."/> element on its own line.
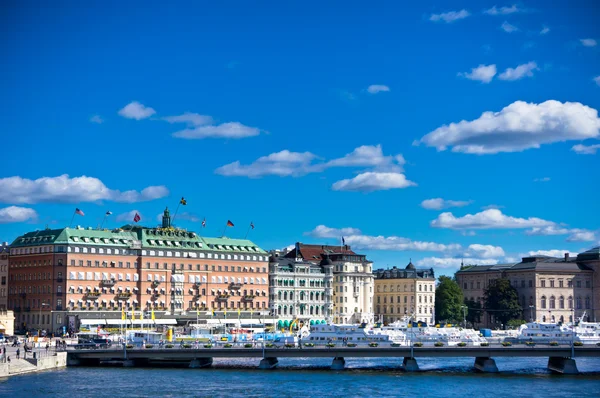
<point x="47" y="346"/>
<point x="18" y="353"/>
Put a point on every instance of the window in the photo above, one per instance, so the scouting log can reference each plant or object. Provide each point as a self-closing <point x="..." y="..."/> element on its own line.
<point x="464" y="285"/>
<point x="543" y="284"/>
<point x="552" y="303"/>
<point x="587" y="284"/>
<point x="570" y="302"/>
<point x="551" y="282"/>
<point x="561" y="302"/>
<point x="560" y="283"/>
<point x="543" y="302"/>
<point x="579" y="284"/>
<point x="530" y="283"/>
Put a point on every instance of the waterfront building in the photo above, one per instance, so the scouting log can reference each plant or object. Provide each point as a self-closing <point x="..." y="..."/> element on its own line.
<point x="300" y="289"/>
<point x="4" y="252"/>
<point x="352" y="280"/>
<point x="59" y="276"/>
<point x="402" y="292"/>
<point x="550" y="289"/>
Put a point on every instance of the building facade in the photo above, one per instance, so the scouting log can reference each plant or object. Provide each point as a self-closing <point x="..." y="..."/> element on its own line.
<point x="59" y="276"/>
<point x="550" y="289"/>
<point x="301" y="289"/>
<point x="408" y="292"/>
<point x="4" y="253"/>
<point x="352" y="280"/>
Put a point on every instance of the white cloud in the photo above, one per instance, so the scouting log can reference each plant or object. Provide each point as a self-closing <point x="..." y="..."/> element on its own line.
<point x="287" y="163"/>
<point x="545" y="30"/>
<point x="588" y="42"/>
<point x="521" y="71"/>
<point x="96" y="119"/>
<point x="487" y="219"/>
<point x="128" y="216"/>
<point x="452" y="262"/>
<point x="13" y="214"/>
<point x="369" y="156"/>
<point x="585" y="150"/>
<point x="550" y="253"/>
<point x="575" y="234"/>
<point x="366" y="242"/>
<point x="508" y="28"/>
<point x="597" y="80"/>
<point x="482" y="73"/>
<point x="373" y="181"/>
<point x="282" y="164"/>
<point x="543" y="179"/>
<point x="484" y="251"/>
<point x="224" y="130"/>
<point x="137" y="111"/>
<point x="192" y="119"/>
<point x="377" y="88"/>
<point x="63" y="189"/>
<point x="517" y="127"/>
<point x="439" y="203"/>
<point x="449" y="16"/>
<point x="503" y="10"/>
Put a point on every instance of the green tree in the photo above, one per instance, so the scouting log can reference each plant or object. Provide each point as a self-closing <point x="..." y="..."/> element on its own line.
<point x="448" y="300"/>
<point x="474" y="311"/>
<point x="502" y="301"/>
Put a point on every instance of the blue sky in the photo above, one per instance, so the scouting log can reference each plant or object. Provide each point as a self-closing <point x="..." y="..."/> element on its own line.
<point x="313" y="121"/>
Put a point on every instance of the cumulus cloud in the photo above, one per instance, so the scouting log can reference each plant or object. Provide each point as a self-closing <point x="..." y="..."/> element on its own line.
<point x="588" y="42"/>
<point x="357" y="240"/>
<point x="487" y="219"/>
<point x="484" y="251"/>
<point x="63" y="189"/>
<point x="191" y="119"/>
<point x="284" y="163"/>
<point x="585" y="150"/>
<point x="452" y="262"/>
<point x="550" y="253"/>
<point x="521" y="71"/>
<point x="508" y="28"/>
<point x="225" y="130"/>
<point x="503" y="10"/>
<point x="439" y="203"/>
<point x="517" y="127"/>
<point x="575" y="234"/>
<point x="377" y="88"/>
<point x="545" y="30"/>
<point x="14" y="214"/>
<point x="96" y="119"/>
<point x="482" y="73"/>
<point x="128" y="216"/>
<point x="373" y="181"/>
<point x="137" y="111"/>
<point x="449" y="16"/>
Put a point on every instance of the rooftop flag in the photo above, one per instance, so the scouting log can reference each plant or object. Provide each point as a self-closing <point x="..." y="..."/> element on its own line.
<point x="343" y="241"/>
<point x="204" y="223"/>
<point x="78" y="211"/>
<point x="251" y="225"/>
<point x="229" y="223"/>
<point x="108" y="213"/>
<point x="183" y="201"/>
<point x="136" y="218"/>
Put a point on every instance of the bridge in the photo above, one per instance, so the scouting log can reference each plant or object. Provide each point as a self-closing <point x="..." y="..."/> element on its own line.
<point x="561" y="358"/>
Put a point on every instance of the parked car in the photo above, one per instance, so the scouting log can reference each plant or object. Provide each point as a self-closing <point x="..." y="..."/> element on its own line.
<point x="102" y="343"/>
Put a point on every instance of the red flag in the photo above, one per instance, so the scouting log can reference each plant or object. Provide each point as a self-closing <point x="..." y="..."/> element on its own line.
<point x="136" y="218"/>
<point x="229" y="223"/>
<point x="79" y="212"/>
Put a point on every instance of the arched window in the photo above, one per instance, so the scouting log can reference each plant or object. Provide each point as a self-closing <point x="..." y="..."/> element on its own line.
<point x="578" y="303"/>
<point x="552" y="302"/>
<point x="543" y="318"/>
<point x="543" y="302"/>
<point x="561" y="302"/>
<point x="570" y="303"/>
<point x="587" y="303"/>
<point x="284" y="297"/>
<point x="279" y="295"/>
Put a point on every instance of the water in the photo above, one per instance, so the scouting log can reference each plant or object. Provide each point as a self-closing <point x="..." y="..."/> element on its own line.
<point x="312" y="378"/>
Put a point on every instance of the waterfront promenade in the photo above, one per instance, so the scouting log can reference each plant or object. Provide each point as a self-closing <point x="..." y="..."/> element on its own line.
<point x="561" y="359"/>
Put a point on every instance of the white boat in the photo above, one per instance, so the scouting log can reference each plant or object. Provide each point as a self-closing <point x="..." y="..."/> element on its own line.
<point x="356" y="334"/>
<point x="450" y="336"/>
<point x="587" y="332"/>
<point x="541" y="332"/>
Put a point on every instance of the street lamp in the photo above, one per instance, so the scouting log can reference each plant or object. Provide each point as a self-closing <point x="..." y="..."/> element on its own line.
<point x="464" y="308"/>
<point x="531" y="307"/>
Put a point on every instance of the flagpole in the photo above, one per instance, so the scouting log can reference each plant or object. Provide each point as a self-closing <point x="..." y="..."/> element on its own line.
<point x="104" y="219"/>
<point x="72" y="218"/>
<point x="223" y="234"/>
<point x="176" y="210"/>
<point x="248" y="230"/>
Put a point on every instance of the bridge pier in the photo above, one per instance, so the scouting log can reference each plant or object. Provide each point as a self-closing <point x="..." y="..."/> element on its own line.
<point x="410" y="365"/>
<point x="268" y="363"/>
<point x="486" y="365"/>
<point x="73" y="361"/>
<point x="201" y="363"/>
<point x="566" y="366"/>
<point x="338" y="363"/>
<point x="128" y="363"/>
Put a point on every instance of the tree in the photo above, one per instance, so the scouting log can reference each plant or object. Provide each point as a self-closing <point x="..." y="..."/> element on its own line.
<point x="502" y="301"/>
<point x="448" y="300"/>
<point x="473" y="311"/>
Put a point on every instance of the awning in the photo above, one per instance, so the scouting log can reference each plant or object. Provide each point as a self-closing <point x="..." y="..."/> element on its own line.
<point x="117" y="321"/>
<point x="165" y="322"/>
<point x="93" y="321"/>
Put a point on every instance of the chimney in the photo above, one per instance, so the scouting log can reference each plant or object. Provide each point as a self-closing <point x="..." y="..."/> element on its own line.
<point x="566" y="257"/>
